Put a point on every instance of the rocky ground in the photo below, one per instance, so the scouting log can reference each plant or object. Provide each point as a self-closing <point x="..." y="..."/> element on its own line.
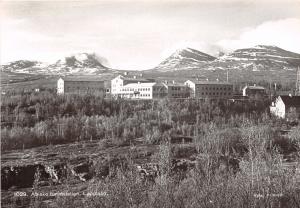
<point x="72" y="168"/>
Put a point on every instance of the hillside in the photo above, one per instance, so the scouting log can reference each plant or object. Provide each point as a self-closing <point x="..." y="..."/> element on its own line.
<point x="184" y="59"/>
<point x="80" y="63"/>
<point x="257" y="58"/>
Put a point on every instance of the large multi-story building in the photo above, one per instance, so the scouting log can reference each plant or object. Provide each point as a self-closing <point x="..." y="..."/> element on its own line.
<point x="136" y="88"/>
<point x="209" y="89"/>
<point x="80" y="85"/>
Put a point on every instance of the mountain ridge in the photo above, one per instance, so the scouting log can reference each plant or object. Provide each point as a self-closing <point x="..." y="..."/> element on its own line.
<point x="79" y="63"/>
<point x="256" y="58"/>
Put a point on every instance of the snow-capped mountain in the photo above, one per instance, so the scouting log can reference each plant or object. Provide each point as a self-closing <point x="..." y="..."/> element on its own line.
<point x="82" y="60"/>
<point x="22" y="66"/>
<point x="257" y="58"/>
<point x="80" y="63"/>
<point x="184" y="59"/>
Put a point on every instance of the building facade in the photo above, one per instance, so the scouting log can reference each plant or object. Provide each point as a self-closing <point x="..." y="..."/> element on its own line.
<point x="118" y="83"/>
<point x="286" y="107"/>
<point x="137" y="88"/>
<point x="211" y="90"/>
<point x="177" y="90"/>
<point x="80" y="85"/>
<point x="160" y="91"/>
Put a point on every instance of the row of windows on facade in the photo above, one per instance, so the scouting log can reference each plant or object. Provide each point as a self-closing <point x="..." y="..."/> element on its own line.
<point x="136" y="95"/>
<point x="213" y="93"/>
<point x="83" y="83"/>
<point x="179" y="95"/>
<point x="83" y="88"/>
<point x="177" y="88"/>
<point x="213" y="88"/>
<point x="139" y="89"/>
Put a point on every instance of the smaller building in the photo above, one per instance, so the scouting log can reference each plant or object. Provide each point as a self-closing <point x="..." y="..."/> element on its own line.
<point x="177" y="90"/>
<point x="80" y="85"/>
<point x="254" y="91"/>
<point x="160" y="90"/>
<point x="286" y="107"/>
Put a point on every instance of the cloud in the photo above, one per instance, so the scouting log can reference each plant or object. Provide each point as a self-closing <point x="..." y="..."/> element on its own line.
<point x="283" y="33"/>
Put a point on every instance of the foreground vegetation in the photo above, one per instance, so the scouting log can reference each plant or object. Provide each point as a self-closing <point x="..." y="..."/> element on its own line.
<point x="238" y="153"/>
<point x="31" y="120"/>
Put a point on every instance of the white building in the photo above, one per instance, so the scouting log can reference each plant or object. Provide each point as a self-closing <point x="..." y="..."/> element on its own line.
<point x="286" y="106"/>
<point x="136" y="88"/>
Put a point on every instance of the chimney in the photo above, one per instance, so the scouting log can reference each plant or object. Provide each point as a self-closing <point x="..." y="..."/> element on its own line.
<point x="290" y="95"/>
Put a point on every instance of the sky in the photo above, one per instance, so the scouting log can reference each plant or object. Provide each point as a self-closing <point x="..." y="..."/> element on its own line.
<point x="137" y="35"/>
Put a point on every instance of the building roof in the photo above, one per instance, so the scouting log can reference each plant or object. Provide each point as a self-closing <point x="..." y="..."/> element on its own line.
<point x="159" y="84"/>
<point x="293" y="101"/>
<point x="135" y="78"/>
<point x="255" y="87"/>
<point x="210" y="82"/>
<point x="175" y="85"/>
<point x="142" y="84"/>
<point x="82" y="79"/>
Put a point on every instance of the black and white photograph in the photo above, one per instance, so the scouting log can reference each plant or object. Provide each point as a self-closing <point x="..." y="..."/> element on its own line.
<point x="150" y="103"/>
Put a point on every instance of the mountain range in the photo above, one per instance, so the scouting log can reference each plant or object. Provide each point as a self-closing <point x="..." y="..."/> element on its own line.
<point x="257" y="58"/>
<point x="80" y="63"/>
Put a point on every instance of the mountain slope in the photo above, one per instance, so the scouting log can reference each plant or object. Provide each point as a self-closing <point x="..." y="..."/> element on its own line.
<point x="23" y="66"/>
<point x="258" y="58"/>
<point x="184" y="59"/>
<point x="81" y="63"/>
